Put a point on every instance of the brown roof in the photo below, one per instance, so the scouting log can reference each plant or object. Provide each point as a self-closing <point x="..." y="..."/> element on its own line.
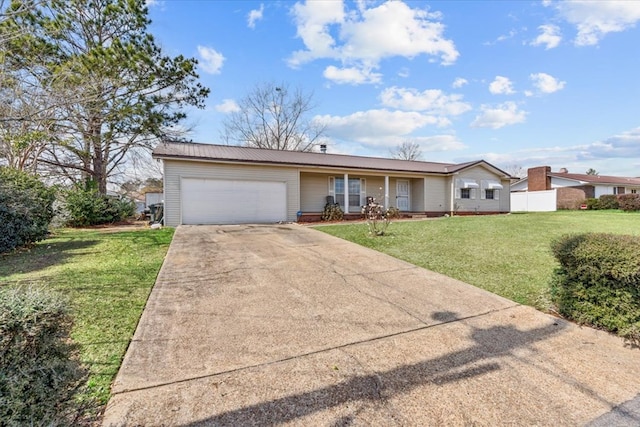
<point x="597" y="179"/>
<point x="232" y="153"/>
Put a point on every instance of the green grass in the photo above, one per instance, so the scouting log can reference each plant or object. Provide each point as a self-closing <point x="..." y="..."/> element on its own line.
<point x="509" y="255"/>
<point x="107" y="276"/>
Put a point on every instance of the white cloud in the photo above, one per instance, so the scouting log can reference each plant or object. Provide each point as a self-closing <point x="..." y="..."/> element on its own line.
<point x="501" y="85"/>
<point x="546" y="83"/>
<point x="503" y="115"/>
<point x="549" y="36"/>
<point x="624" y="145"/>
<point x="351" y="75"/>
<point x="624" y="148"/>
<point x="381" y="146"/>
<point x="374" y="126"/>
<point x="503" y="37"/>
<point x="459" y="82"/>
<point x="227" y="106"/>
<point x="211" y="61"/>
<point x="432" y="101"/>
<point x="314" y="21"/>
<point x="255" y="15"/>
<point x="595" y="19"/>
<point x="368" y="35"/>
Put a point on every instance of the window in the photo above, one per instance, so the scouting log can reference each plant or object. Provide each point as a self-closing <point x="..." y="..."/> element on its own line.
<point x="356" y="191"/>
<point x="490" y="189"/>
<point x="466" y="188"/>
<point x="634" y="191"/>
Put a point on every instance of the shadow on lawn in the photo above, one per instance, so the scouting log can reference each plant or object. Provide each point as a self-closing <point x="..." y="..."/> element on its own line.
<point x="481" y="358"/>
<point x="43" y="255"/>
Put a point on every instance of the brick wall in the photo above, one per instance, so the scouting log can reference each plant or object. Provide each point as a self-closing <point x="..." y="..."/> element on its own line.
<point x="539" y="179"/>
<point x="573" y="197"/>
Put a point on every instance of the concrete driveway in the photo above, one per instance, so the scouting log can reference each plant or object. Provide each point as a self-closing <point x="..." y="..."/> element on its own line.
<point x="270" y="325"/>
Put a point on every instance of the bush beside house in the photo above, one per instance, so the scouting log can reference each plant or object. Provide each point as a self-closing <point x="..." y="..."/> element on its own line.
<point x="629" y="202"/>
<point x="26" y="209"/>
<point x="626" y="202"/>
<point x="598" y="282"/>
<point x="86" y="206"/>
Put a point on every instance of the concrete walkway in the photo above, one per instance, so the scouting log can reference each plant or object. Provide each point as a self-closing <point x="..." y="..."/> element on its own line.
<point x="271" y="325"/>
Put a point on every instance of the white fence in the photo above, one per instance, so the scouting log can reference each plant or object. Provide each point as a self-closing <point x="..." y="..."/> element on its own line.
<point x="534" y="201"/>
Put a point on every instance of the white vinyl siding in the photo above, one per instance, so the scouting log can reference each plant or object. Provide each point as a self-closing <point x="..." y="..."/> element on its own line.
<point x="436" y="194"/>
<point x="175" y="170"/>
<point x="484" y="178"/>
<point x="313" y="191"/>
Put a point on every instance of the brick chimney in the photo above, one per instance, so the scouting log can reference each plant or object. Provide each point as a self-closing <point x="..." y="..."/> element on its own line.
<point x="539" y="179"/>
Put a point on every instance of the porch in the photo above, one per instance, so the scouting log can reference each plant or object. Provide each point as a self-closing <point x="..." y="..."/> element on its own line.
<point x="411" y="195"/>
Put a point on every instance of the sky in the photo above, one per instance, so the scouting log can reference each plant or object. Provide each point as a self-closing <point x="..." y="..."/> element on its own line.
<point x="515" y="83"/>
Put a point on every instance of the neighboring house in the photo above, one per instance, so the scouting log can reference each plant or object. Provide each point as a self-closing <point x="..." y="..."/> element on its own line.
<point x="221" y="184"/>
<point x="564" y="190"/>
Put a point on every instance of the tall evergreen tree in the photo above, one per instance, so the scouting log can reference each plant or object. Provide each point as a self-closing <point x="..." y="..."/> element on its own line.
<point x="111" y="87"/>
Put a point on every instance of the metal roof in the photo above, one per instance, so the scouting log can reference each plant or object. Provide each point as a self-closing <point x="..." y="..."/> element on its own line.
<point x="597" y="179"/>
<point x="232" y="153"/>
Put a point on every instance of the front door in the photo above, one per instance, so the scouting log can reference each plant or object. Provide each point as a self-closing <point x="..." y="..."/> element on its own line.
<point x="402" y="194"/>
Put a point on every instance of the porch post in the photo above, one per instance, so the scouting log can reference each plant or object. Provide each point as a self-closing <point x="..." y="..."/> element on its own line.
<point x="424" y="194"/>
<point x="386" y="192"/>
<point x="346" y="193"/>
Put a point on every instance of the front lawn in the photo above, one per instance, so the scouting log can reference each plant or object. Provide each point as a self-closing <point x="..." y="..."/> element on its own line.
<point x="107" y="276"/>
<point x="509" y="255"/>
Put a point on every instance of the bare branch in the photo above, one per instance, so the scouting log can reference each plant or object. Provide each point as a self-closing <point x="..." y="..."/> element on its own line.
<point x="407" y="150"/>
<point x="275" y="117"/>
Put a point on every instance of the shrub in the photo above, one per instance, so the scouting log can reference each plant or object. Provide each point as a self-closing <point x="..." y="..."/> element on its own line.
<point x="86" y="206"/>
<point x="609" y="201"/>
<point x="26" y="208"/>
<point x="629" y="202"/>
<point x="592" y="204"/>
<point x="598" y="281"/>
<point x="39" y="371"/>
<point x="378" y="219"/>
<point x="332" y="211"/>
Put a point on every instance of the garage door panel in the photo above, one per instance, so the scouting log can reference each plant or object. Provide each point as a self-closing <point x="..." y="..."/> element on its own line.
<point x="211" y="201"/>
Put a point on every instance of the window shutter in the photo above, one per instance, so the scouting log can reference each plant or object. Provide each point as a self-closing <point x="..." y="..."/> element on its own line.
<point x="496" y="194"/>
<point x="457" y="192"/>
<point x="483" y="193"/>
<point x="332" y="187"/>
<point x="363" y="191"/>
<point x="473" y="193"/>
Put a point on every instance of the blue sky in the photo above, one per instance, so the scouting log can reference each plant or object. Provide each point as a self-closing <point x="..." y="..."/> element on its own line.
<point x="524" y="83"/>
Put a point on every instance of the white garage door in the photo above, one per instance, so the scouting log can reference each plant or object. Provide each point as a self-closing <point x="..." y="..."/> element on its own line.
<point x="213" y="201"/>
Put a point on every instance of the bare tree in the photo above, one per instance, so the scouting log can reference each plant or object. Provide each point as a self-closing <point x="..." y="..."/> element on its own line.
<point x="407" y="150"/>
<point x="275" y="117"/>
<point x="592" y="171"/>
<point x="516" y="170"/>
<point x="25" y="127"/>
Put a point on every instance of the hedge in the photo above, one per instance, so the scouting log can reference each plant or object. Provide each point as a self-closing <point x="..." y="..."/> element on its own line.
<point x="629" y="202"/>
<point x="598" y="281"/>
<point x="86" y="206"/>
<point x="26" y="209"/>
<point x="39" y="368"/>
